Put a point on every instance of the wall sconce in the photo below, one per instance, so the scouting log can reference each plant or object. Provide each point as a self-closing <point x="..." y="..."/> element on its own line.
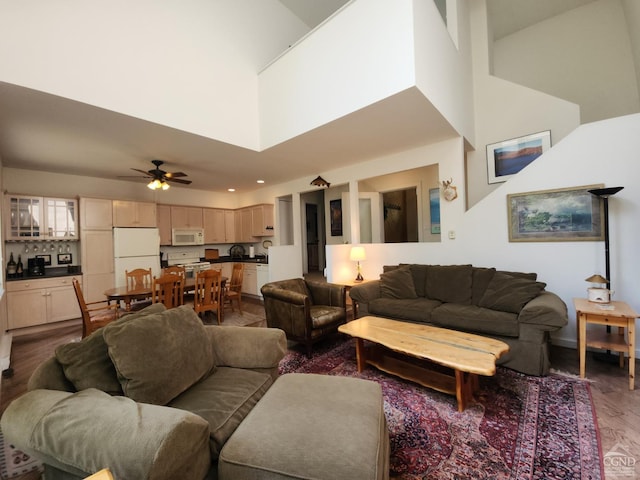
<point x="357" y="254"/>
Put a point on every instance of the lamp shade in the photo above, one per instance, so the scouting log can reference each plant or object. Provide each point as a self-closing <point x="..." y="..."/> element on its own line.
<point x="597" y="279"/>
<point x="357" y="254"/>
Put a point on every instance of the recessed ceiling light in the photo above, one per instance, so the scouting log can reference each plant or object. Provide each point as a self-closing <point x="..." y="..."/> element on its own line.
<point x="231" y="189"/>
<point x="259" y="181"/>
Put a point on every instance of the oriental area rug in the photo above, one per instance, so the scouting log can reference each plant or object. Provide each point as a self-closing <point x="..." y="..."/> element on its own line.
<point x="521" y="427"/>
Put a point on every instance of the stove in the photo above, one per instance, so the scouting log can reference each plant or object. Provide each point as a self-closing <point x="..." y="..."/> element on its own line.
<point x="190" y="261"/>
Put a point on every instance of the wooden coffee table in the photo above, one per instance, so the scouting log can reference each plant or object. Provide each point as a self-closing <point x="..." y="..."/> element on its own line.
<point x="464" y="356"/>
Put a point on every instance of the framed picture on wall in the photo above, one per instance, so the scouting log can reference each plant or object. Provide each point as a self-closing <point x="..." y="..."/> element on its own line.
<point x="65" y="259"/>
<point x="47" y="259"/>
<point x="335" y="210"/>
<point x="506" y="158"/>
<point x="562" y="215"/>
<point x="434" y="209"/>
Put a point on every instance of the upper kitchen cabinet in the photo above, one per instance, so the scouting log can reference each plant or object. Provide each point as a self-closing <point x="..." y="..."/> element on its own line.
<point x="134" y="214"/>
<point x="262" y="220"/>
<point x="219" y="225"/>
<point x="163" y="216"/>
<point x="186" y="217"/>
<point x="40" y="218"/>
<point x="96" y="214"/>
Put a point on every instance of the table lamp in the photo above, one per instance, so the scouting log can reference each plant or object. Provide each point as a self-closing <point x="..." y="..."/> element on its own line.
<point x="357" y="254"/>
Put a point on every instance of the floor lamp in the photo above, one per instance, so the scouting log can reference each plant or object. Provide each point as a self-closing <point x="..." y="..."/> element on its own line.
<point x="604" y="194"/>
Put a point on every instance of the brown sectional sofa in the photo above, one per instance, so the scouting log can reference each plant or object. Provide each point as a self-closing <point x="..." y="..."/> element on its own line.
<point x="509" y="306"/>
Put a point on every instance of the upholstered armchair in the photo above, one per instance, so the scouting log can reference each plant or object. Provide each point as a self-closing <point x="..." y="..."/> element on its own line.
<point x="306" y="311"/>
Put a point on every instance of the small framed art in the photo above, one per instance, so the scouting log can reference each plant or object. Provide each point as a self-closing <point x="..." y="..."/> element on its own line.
<point x="506" y="158"/>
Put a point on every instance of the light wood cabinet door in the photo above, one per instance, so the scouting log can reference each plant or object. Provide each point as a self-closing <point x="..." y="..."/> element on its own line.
<point x="96" y="214"/>
<point x="36" y="302"/>
<point x="24" y="217"/>
<point x="250" y="279"/>
<point x="134" y="214"/>
<point x="186" y="217"/>
<point x="229" y="226"/>
<point x="246" y="216"/>
<point x="97" y="263"/>
<point x="214" y="226"/>
<point x="262" y="220"/>
<point x="163" y="213"/>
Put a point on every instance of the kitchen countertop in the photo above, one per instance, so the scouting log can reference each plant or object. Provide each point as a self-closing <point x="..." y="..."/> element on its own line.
<point x="52" y="272"/>
<point x="244" y="259"/>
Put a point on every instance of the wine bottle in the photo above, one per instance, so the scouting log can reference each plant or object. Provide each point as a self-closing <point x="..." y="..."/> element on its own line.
<point x="11" y="266"/>
<point x="19" y="267"/>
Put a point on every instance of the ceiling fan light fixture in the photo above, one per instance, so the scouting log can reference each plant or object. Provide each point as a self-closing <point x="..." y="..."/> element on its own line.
<point x="154" y="184"/>
<point x="165" y="186"/>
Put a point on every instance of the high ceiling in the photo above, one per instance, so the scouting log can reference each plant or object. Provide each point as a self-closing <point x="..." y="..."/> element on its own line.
<point x="44" y="132"/>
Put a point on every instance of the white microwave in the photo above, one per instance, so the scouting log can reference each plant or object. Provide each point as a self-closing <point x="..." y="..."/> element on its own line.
<point x="187" y="236"/>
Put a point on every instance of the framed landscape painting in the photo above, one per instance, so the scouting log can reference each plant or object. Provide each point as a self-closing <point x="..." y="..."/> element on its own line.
<point x="505" y="159"/>
<point x="563" y="215"/>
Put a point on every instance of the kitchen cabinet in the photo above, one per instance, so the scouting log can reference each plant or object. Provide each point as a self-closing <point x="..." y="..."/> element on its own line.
<point x="41" y="218"/>
<point x="163" y="220"/>
<point x="134" y="214"/>
<point x="262" y="220"/>
<point x="96" y="214"/>
<point x="41" y="301"/>
<point x="186" y="217"/>
<point x="219" y="225"/>
<point x="96" y="250"/>
<point x="244" y="225"/>
<point x="249" y="279"/>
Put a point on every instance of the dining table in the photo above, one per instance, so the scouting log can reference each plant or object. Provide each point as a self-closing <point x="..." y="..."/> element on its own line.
<point x="127" y="295"/>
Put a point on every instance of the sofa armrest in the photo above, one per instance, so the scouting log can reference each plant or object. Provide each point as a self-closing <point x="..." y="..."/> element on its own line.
<point x="247" y="347"/>
<point x="547" y="311"/>
<point x="283" y="295"/>
<point x="50" y="375"/>
<point x="364" y="293"/>
<point x="330" y="294"/>
<point x="86" y="431"/>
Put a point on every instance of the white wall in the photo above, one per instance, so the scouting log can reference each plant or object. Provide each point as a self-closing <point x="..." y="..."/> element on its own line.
<point x="362" y="55"/>
<point x="590" y="43"/>
<point x="602" y="152"/>
<point x="191" y="65"/>
<point x="505" y="110"/>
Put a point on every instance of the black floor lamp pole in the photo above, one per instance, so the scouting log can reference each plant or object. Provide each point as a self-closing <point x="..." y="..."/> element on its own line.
<point x="605" y="193"/>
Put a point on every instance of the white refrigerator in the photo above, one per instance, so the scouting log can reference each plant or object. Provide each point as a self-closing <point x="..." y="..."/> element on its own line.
<point x="135" y="248"/>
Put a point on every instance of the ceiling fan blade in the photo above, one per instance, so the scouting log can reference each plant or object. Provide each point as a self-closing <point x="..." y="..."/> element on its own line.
<point x="178" y="180"/>
<point x="175" y="174"/>
<point x="148" y="174"/>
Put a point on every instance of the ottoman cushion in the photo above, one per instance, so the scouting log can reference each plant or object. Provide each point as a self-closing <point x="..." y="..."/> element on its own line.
<point x="311" y="426"/>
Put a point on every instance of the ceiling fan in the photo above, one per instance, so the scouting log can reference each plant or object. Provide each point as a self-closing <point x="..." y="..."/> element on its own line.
<point x="159" y="178"/>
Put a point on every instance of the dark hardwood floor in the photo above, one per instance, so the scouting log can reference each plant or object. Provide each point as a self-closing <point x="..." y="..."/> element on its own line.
<point x="617" y="408"/>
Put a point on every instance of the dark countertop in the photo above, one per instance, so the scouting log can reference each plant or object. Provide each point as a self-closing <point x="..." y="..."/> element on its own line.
<point x="244" y="259"/>
<point x="52" y="272"/>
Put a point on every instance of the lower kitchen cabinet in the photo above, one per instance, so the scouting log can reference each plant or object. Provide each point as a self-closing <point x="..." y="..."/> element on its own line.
<point x="249" y="279"/>
<point x="40" y="301"/>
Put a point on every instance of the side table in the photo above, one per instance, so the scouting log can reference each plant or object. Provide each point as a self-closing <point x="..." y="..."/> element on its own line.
<point x="613" y="314"/>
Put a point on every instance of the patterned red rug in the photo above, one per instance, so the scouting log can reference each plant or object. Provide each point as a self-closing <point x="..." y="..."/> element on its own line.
<point x="521" y="428"/>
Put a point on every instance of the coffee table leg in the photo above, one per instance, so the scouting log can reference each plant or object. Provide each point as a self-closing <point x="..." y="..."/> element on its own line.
<point x="466" y="385"/>
<point x="361" y="359"/>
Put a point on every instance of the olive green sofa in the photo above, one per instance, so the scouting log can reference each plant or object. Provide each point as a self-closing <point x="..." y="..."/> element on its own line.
<point x="509" y="306"/>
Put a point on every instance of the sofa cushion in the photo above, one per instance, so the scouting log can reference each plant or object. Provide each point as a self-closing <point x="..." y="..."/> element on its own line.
<point x="481" y="278"/>
<point x="471" y="318"/>
<point x="509" y="294"/>
<point x="397" y="283"/>
<point x="224" y="399"/>
<point x="159" y="356"/>
<point x="450" y="283"/>
<point x="414" y="309"/>
<point x="87" y="364"/>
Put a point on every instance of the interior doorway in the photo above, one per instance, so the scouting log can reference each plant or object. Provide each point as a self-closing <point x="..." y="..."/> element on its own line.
<point x="400" y="216"/>
<point x="313" y="237"/>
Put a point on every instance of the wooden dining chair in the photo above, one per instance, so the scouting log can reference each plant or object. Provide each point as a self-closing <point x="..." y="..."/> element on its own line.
<point x="233" y="289"/>
<point x="94" y="314"/>
<point x="208" y="293"/>
<point x="168" y="290"/>
<point x="174" y="270"/>
<point x="139" y="278"/>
